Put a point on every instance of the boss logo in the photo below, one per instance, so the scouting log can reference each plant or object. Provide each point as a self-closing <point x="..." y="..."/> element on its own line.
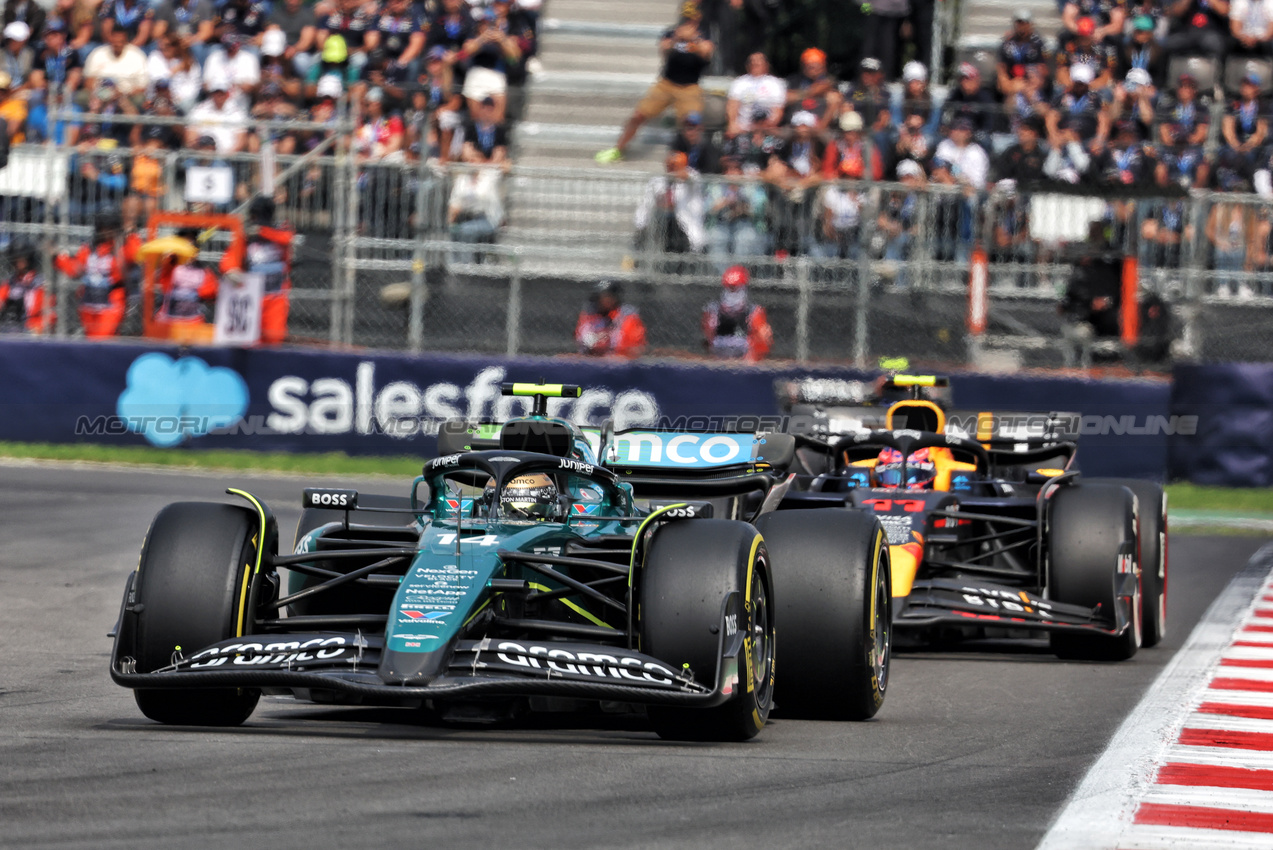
<point x="331" y="499"/>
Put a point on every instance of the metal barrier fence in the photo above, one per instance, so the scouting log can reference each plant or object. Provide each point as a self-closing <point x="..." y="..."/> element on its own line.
<point x="411" y="254"/>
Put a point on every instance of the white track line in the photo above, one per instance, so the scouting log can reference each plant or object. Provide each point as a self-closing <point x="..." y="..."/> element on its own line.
<point x="1178" y="838"/>
<point x="1219" y="756"/>
<point x="1242" y="799"/>
<point x="1100" y="811"/>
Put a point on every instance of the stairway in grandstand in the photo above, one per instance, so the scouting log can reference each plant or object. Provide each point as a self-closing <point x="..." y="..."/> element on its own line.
<point x="598" y="57"/>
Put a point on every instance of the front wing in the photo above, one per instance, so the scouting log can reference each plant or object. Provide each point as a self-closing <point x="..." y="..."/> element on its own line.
<point x="950" y="602"/>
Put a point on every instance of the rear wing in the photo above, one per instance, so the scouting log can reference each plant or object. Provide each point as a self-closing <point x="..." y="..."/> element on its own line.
<point x="667" y="463"/>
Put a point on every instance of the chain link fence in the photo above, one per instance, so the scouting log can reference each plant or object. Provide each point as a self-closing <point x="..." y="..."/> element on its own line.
<point x="405" y="254"/>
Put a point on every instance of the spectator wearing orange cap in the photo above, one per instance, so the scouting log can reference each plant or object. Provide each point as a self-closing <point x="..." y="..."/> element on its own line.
<point x="1197" y="26"/>
<point x="1084" y="48"/>
<point x="607" y="326"/>
<point x="686" y="53"/>
<point x="813" y="90"/>
<point x="733" y="326"/>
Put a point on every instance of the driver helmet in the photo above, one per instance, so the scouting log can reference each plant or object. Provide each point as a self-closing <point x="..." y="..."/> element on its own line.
<point x="920" y="470"/>
<point x="532" y="496"/>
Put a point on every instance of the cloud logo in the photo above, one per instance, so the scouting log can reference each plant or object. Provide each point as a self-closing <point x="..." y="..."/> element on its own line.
<point x="168" y="401"/>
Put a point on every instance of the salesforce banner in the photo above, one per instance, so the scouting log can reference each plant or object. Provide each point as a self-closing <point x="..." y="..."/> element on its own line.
<point x="389" y="403"/>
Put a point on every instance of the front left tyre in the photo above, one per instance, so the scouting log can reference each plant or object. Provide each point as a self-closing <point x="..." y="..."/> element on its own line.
<point x="691" y="567"/>
<point x="192" y="589"/>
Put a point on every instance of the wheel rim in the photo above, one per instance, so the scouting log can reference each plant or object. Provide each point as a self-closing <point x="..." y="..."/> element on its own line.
<point x="762" y="643"/>
<point x="883" y="608"/>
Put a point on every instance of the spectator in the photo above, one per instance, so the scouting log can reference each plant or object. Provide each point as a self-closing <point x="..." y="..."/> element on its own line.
<point x="475" y="212"/>
<point x="160" y="106"/>
<point x="813" y="90"/>
<point x="399" y="32"/>
<point x="333" y="61"/>
<point x="1135" y="99"/>
<point x="1022" y="162"/>
<point x="1085" y="48"/>
<point x="436" y="104"/>
<point x="175" y="66"/>
<point x="1186" y="111"/>
<point x="898" y="218"/>
<point x="1198" y="26"/>
<point x="22" y="296"/>
<point x="190" y="23"/>
<point x="755" y="149"/>
<point x="351" y="22"/>
<point x="122" y="63"/>
<point x="1107" y="18"/>
<point x="299" y="25"/>
<point x="235" y="67"/>
<point x="1010" y="240"/>
<point x="84" y="27"/>
<point x="18" y="56"/>
<point x="686" y="54"/>
<point x="219" y="117"/>
<point x="245" y="18"/>
<point x="28" y="12"/>
<point x="106" y="100"/>
<point x="1030" y="101"/>
<point x="1246" y="125"/>
<point x="450" y="29"/>
<point x="1165" y="228"/>
<point x="837" y="226"/>
<point x="58" y="69"/>
<point x="1182" y="164"/>
<point x="1068" y="161"/>
<point x="273" y="105"/>
<point x="1251" y="27"/>
<point x="882" y="31"/>
<point x="753" y="94"/>
<point x="608" y="327"/>
<point x="1123" y="163"/>
<point x="917" y="99"/>
<point x="796" y="167"/>
<point x="13" y="110"/>
<point x="146" y="184"/>
<point x="277" y="69"/>
<point x="736" y="215"/>
<point x="969" y="164"/>
<point x="517" y="27"/>
<point x="1142" y="50"/>
<point x="669" y="218"/>
<point x="1022" y="50"/>
<point x="850" y="156"/>
<point x="485" y="139"/>
<point x="1082" y="107"/>
<point x="380" y="136"/>
<point x="134" y="17"/>
<point x="697" y="146"/>
<point x="911" y="142"/>
<point x="488" y="53"/>
<point x="1231" y="231"/>
<point x="870" y="99"/>
<point x="1090" y="307"/>
<point x="969" y="100"/>
<point x="961" y="162"/>
<point x="733" y="326"/>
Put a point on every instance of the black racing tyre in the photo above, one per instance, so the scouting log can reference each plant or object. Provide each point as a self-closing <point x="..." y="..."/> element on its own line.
<point x="192" y="585"/>
<point x="1091" y="538"/>
<point x="1151" y="526"/>
<point x="832" y="578"/>
<point x="690" y="568"/>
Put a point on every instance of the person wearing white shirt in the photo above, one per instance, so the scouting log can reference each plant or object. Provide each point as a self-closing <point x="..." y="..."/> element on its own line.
<point x="174" y="62"/>
<point x="218" y="117"/>
<point x="118" y="61"/>
<point x="1251" y="27"/>
<point x="969" y="164"/>
<point x="754" y="93"/>
<point x="235" y="67"/>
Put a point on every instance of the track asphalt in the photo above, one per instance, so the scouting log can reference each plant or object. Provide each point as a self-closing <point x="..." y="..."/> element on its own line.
<point x="977" y="748"/>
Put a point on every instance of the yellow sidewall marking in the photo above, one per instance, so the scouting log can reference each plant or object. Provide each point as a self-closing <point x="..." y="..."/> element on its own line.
<point x="260" y="546"/>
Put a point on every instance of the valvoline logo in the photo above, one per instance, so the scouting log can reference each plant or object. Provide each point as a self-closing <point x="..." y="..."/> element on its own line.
<point x="586" y="510"/>
<point x="682" y="451"/>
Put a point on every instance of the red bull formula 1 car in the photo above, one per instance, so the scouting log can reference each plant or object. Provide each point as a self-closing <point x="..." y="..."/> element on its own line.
<point x="991" y="532"/>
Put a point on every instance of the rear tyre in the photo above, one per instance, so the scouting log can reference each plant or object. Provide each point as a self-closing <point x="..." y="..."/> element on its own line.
<point x="831" y="573"/>
<point x="1151" y="525"/>
<point x="691" y="567"/>
<point x="192" y="583"/>
<point x="1091" y="545"/>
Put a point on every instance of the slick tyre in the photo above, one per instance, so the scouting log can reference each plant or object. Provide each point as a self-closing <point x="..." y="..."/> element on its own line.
<point x="691" y="567"/>
<point x="832" y="580"/>
<point x="1151" y="526"/>
<point x="1091" y="543"/>
<point x="192" y="583"/>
